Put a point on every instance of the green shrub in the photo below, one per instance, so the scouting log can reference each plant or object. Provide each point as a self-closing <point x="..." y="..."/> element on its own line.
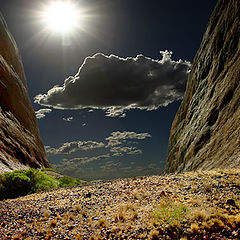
<point x="15" y="184"/>
<point x="44" y="182"/>
<point x="67" y="181"/>
<point x="169" y="213"/>
<point x="23" y="182"/>
<point x="48" y="169"/>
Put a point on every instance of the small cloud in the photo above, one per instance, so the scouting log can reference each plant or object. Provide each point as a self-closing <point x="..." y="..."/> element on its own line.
<point x="119" y="151"/>
<point x="41" y="113"/>
<point x="152" y="165"/>
<point x="122" y="149"/>
<point x="117" y="154"/>
<point x="110" y="166"/>
<point x="115" y="112"/>
<point x="68" y="119"/>
<point x="47" y="147"/>
<point x="70" y="147"/>
<point x="126" y="168"/>
<point x="113" y="142"/>
<point x="135" y="152"/>
<point x="115" y="84"/>
<point x="118" y="138"/>
<point x="84" y="160"/>
<point x="123" y="115"/>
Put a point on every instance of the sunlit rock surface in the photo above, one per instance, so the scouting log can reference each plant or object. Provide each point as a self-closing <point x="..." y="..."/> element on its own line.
<point x="206" y="130"/>
<point x="20" y="142"/>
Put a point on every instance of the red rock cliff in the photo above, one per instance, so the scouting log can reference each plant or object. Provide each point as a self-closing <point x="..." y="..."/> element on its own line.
<point x="20" y="141"/>
<point x="206" y="130"/>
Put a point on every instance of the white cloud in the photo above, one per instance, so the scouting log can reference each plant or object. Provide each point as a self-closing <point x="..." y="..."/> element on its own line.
<point x="116" y="112"/>
<point x="117" y="84"/>
<point x="135" y="152"/>
<point x="84" y="160"/>
<point x="117" y="138"/>
<point x="109" y="166"/>
<point x="41" y="113"/>
<point x="68" y="119"/>
<point x="118" y="144"/>
<point x="70" y="147"/>
<point x="121" y="150"/>
<point x="117" y="154"/>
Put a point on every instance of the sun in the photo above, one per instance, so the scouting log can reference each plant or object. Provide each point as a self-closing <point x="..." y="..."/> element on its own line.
<point x="62" y="17"/>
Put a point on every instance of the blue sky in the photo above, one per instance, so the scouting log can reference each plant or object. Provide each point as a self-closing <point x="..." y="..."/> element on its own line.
<point x="124" y="92"/>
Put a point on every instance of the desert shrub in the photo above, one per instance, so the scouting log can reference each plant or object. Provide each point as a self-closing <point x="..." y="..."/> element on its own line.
<point x="169" y="213"/>
<point x="67" y="181"/>
<point x="49" y="169"/>
<point x="14" y="184"/>
<point x="23" y="182"/>
<point x="44" y="182"/>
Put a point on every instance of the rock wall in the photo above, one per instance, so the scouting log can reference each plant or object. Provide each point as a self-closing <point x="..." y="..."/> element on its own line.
<point x="20" y="142"/>
<point x="205" y="133"/>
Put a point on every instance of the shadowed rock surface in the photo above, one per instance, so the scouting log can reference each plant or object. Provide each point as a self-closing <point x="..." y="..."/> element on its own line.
<point x="20" y="141"/>
<point x="206" y="130"/>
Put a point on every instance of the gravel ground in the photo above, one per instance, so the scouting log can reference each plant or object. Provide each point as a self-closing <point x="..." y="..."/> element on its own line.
<point x="194" y="205"/>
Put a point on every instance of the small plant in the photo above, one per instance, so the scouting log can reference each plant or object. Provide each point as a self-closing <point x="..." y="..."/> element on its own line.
<point x="153" y="235"/>
<point x="207" y="187"/>
<point x="120" y="217"/>
<point x="101" y="223"/>
<point x="77" y="208"/>
<point x="135" y="194"/>
<point x="169" y="213"/>
<point x="46" y="213"/>
<point x="134" y="216"/>
<point x="114" y="229"/>
<point x="194" y="228"/>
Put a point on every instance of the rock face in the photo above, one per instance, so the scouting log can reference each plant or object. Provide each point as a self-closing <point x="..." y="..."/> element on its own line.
<point x="20" y="142"/>
<point x="206" y="130"/>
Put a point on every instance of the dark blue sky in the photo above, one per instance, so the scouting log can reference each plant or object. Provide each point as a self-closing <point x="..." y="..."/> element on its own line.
<point x="124" y="28"/>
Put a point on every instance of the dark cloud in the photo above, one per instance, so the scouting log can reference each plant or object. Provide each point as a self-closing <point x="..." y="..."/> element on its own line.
<point x="118" y="84"/>
<point x="41" y="113"/>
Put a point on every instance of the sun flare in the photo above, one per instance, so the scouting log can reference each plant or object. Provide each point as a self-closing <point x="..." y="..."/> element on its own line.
<point x="62" y="17"/>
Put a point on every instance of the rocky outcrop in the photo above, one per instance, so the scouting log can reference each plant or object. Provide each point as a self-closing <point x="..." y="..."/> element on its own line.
<point x="206" y="130"/>
<point x="20" y="142"/>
